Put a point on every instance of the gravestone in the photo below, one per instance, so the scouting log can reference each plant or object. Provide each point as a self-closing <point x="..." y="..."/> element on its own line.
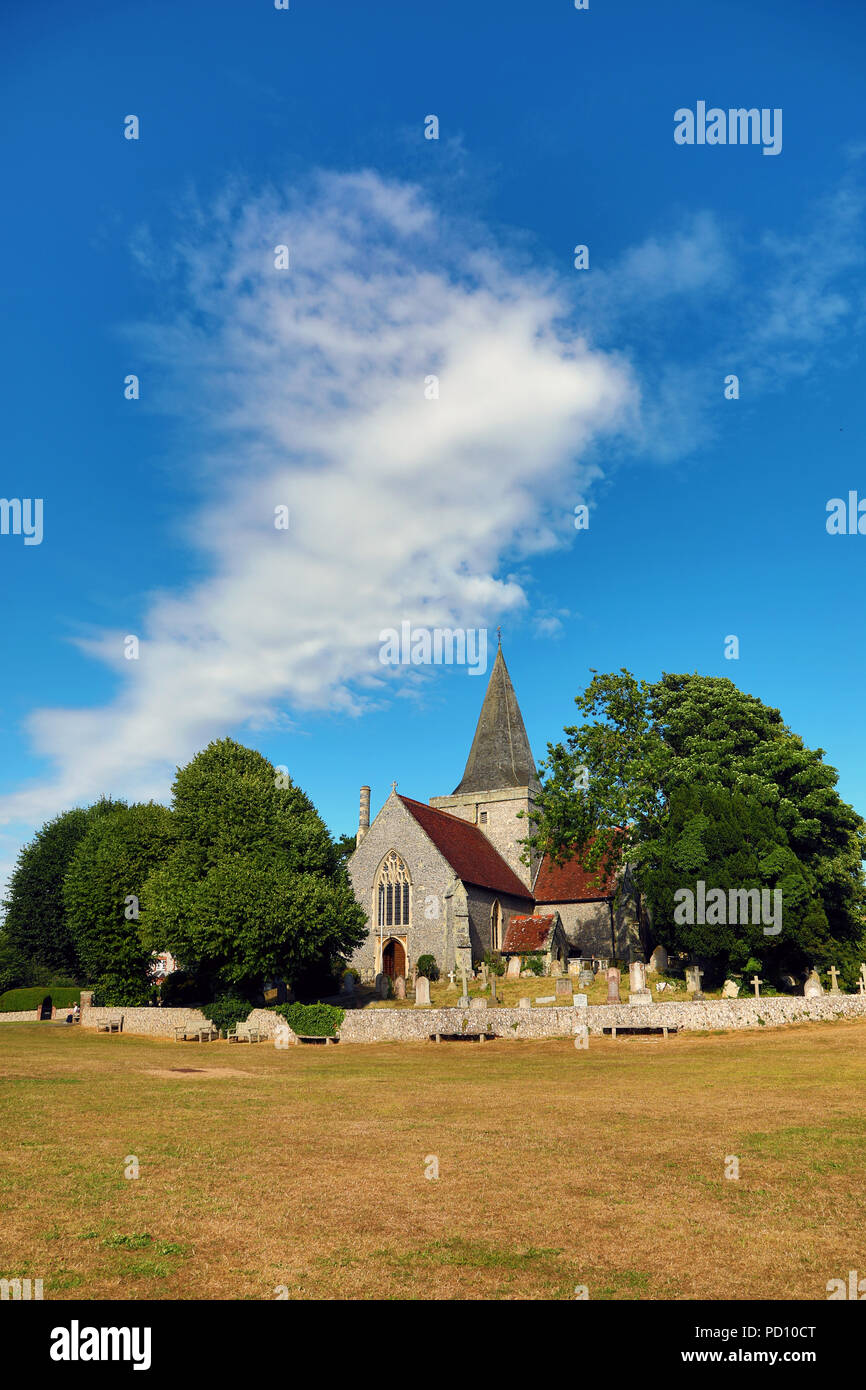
<point x="546" y="999"/>
<point x="477" y="1004"/>
<point x="613" y="985"/>
<point x="493" y="998"/>
<point x="513" y="971"/>
<point x="422" y="991"/>
<point x="730" y="990"/>
<point x="861" y="982"/>
<point x="563" y="988"/>
<point x="693" y="981"/>
<point x="637" y="986"/>
<point x="813" y="989"/>
<point x="347" y="985"/>
<point x="524" y="1003"/>
<point x="382" y="986"/>
<point x="400" y="987"/>
<point x="580" y="1001"/>
<point x="586" y="979"/>
<point x="834" y="974"/>
<point x="756" y="984"/>
<point x="659" y="960"/>
<point x="482" y="970"/>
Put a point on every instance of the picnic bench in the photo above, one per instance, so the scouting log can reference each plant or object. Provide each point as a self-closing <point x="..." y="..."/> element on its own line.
<point x="196" y="1032"/>
<point x="616" y="1028"/>
<point x="110" y="1025"/>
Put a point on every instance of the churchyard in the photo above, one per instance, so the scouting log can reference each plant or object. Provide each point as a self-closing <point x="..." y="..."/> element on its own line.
<point x="137" y="1168"/>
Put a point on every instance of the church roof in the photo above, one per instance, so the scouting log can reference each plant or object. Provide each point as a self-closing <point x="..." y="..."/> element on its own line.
<point x="500" y="755"/>
<point x="571" y="882"/>
<point x="527" y="934"/>
<point x="467" y="849"/>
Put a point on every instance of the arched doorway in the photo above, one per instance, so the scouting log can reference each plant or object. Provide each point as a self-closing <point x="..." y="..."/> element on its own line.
<point x="45" y="1009"/>
<point x="393" y="959"/>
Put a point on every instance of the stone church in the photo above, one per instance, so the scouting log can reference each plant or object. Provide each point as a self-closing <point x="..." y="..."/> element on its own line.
<point x="446" y="878"/>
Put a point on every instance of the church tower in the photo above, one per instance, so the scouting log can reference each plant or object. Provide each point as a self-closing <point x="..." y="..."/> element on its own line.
<point x="500" y="778"/>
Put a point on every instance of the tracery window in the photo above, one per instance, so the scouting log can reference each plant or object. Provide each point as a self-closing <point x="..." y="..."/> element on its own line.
<point x="392" y="892"/>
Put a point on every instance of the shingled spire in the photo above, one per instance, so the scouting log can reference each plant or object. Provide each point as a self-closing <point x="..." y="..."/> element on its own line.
<point x="500" y="755"/>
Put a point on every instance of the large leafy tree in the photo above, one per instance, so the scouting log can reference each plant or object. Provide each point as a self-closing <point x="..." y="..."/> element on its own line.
<point x="102" y="894"/>
<point x="621" y="781"/>
<point x="254" y="888"/>
<point x="35" y="923"/>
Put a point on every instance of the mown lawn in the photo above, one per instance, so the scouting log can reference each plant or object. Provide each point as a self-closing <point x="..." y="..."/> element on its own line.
<point x="557" y="1167"/>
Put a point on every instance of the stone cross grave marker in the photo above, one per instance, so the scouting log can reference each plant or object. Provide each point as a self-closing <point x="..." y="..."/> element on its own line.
<point x="450" y="977"/>
<point x="834" y="974"/>
<point x="464" y="998"/>
<point x="757" y="984"/>
<point x="693" y="980"/>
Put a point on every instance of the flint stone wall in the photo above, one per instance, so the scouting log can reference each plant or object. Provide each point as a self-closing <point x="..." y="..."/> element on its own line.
<point x="405" y="1025"/>
<point x="25" y="1016"/>
<point x="161" y="1023"/>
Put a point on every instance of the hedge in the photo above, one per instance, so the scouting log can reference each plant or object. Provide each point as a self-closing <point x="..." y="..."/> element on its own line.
<point x="312" y="1020"/>
<point x="62" y="997"/>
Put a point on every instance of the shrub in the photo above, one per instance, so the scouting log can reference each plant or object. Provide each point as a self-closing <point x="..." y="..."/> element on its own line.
<point x="312" y="1020"/>
<point x="427" y="967"/>
<point x="534" y="961"/>
<point x="494" y="962"/>
<point x="227" y="1012"/>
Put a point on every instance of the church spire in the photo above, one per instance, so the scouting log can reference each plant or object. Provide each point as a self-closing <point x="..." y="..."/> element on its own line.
<point x="500" y="755"/>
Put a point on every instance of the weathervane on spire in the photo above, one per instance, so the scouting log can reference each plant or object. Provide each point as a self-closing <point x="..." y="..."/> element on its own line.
<point x="499" y="635"/>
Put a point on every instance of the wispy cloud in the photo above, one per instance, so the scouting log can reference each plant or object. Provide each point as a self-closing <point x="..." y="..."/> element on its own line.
<point x="306" y="388"/>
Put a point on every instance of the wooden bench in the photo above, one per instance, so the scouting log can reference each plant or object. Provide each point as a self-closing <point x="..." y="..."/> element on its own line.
<point x="196" y="1032"/>
<point x="111" y="1025"/>
<point x="461" y="1037"/>
<point x="616" y="1028"/>
<point x="245" y="1034"/>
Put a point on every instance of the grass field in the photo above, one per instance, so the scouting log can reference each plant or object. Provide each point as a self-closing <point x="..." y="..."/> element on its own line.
<point x="557" y="1167"/>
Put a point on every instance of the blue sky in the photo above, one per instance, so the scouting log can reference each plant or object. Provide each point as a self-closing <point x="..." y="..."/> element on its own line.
<point x="306" y="387"/>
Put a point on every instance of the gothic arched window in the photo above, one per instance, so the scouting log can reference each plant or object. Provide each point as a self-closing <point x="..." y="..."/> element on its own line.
<point x="392" y="892"/>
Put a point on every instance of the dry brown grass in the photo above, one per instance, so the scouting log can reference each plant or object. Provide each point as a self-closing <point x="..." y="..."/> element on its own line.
<point x="558" y="1166"/>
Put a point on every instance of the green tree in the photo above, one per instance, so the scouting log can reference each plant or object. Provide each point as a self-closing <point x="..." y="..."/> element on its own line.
<point x="102" y="893"/>
<point x="35" y="922"/>
<point x="254" y="888"/>
<point x="610" y="788"/>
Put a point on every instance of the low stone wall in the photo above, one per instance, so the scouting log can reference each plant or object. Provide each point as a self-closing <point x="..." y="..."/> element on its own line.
<point x="413" y="1025"/>
<point x="161" y="1023"/>
<point x="23" y="1016"/>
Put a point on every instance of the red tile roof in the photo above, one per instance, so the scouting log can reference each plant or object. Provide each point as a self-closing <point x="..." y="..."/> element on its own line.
<point x="527" y="934"/>
<point x="571" y="882"/>
<point x="467" y="849"/>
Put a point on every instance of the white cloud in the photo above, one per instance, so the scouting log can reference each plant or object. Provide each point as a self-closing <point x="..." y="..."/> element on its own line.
<point x="306" y="388"/>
